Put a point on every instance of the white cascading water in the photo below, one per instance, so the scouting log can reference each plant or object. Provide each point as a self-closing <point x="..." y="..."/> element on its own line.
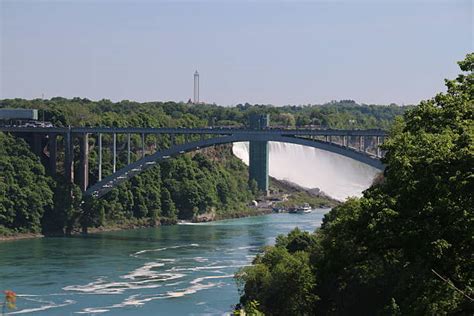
<point x="337" y="176"/>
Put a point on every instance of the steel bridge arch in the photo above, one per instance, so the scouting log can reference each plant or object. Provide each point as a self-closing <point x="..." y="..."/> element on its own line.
<point x="102" y="187"/>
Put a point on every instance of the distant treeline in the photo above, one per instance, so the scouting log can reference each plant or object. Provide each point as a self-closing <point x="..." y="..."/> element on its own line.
<point x="84" y="112"/>
<point x="183" y="187"/>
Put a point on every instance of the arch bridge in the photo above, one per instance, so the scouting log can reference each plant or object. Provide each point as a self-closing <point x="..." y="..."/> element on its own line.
<point x="360" y="145"/>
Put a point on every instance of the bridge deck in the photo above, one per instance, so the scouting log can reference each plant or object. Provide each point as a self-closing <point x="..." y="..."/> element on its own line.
<point x="209" y="130"/>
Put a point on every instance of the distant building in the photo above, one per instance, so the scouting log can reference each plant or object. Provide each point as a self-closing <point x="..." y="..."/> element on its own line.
<point x="196" y="87"/>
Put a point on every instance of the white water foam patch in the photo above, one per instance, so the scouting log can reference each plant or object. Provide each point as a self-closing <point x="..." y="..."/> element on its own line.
<point x="338" y="176"/>
<point x="142" y="278"/>
<point x="93" y="310"/>
<point x="144" y="272"/>
<point x="102" y="287"/>
<point x="191" y="223"/>
<point x="197" y="285"/>
<point x="200" y="259"/>
<point x="139" y="300"/>
<point x="48" y="305"/>
<point x="210" y="267"/>
<point x="138" y="253"/>
<point x="133" y="300"/>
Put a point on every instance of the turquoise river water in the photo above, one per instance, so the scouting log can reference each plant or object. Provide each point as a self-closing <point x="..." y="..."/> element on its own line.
<point x="174" y="270"/>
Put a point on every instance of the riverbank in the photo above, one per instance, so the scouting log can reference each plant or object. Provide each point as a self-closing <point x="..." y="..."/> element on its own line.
<point x="132" y="224"/>
<point x="19" y="236"/>
<point x="282" y="194"/>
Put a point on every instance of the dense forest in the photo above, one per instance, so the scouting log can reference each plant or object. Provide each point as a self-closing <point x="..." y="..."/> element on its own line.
<point x="405" y="247"/>
<point x="210" y="181"/>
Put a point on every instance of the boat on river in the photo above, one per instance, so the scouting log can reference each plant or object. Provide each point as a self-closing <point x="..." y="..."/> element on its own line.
<point x="304" y="209"/>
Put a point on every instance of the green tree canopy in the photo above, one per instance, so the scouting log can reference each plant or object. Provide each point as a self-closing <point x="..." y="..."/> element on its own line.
<point x="405" y="247"/>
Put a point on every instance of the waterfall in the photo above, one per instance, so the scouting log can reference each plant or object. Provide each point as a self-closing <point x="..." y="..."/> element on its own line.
<point x="337" y="176"/>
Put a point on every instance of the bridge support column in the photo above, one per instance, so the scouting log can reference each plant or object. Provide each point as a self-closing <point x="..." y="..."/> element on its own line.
<point x="361" y="144"/>
<point x="84" y="162"/>
<point x="379" y="151"/>
<point x="173" y="139"/>
<point x="128" y="148"/>
<point x="143" y="145"/>
<point x="258" y="164"/>
<point x="100" y="157"/>
<point x="68" y="157"/>
<point x="38" y="144"/>
<point x="53" y="153"/>
<point x="258" y="154"/>
<point x="114" y="165"/>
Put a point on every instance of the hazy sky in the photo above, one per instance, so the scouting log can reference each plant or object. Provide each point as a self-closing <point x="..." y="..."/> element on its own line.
<point x="270" y="52"/>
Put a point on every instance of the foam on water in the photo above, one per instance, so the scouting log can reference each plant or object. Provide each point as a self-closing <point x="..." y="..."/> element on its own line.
<point x="198" y="286"/>
<point x="200" y="259"/>
<point x="144" y="272"/>
<point x="135" y="254"/>
<point x="93" y="310"/>
<point x="143" y="277"/>
<point x="338" y="176"/>
<point x="48" y="305"/>
<point x="210" y="267"/>
<point x="138" y="299"/>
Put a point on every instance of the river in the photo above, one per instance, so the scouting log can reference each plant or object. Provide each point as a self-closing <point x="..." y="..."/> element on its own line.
<point x="173" y="270"/>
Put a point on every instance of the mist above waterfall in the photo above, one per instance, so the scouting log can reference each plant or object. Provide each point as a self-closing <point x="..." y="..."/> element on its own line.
<point x="337" y="176"/>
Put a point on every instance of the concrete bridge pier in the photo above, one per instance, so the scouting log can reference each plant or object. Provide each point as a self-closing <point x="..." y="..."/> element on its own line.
<point x="143" y="145"/>
<point x="128" y="148"/>
<point x="37" y="141"/>
<point x="84" y="162"/>
<point x="258" y="154"/>
<point x="114" y="153"/>
<point x="258" y="164"/>
<point x="68" y="157"/>
<point x="172" y="140"/>
<point x="379" y="151"/>
<point x="53" y="152"/>
<point x="361" y="143"/>
<point x="100" y="156"/>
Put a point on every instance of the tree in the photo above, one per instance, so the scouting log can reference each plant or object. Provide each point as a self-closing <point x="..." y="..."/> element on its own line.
<point x="25" y="191"/>
<point x="405" y="247"/>
<point x="167" y="204"/>
<point x="281" y="282"/>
